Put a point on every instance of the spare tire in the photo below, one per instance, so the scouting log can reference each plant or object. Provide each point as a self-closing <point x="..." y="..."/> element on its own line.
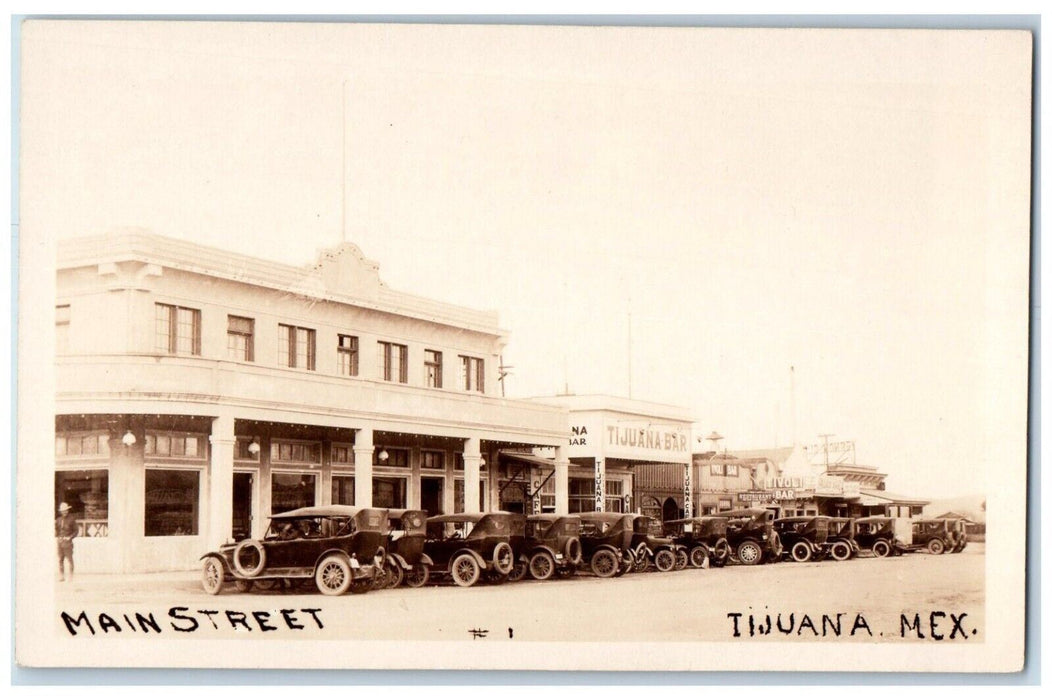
<point x="572" y="550"/>
<point x="260" y="554"/>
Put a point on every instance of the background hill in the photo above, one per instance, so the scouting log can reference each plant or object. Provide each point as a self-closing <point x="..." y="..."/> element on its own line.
<point x="969" y="506"/>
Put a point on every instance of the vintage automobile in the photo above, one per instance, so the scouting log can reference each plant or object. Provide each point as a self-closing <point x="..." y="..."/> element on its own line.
<point x="517" y="540"/>
<point x="876" y="534"/>
<point x="938" y="536"/>
<point x="804" y="537"/>
<point x="649" y="546"/>
<point x="606" y="540"/>
<point x="466" y="545"/>
<point x="552" y="547"/>
<point x="751" y="535"/>
<point x="841" y="540"/>
<point x="704" y="537"/>
<point x="406" y="561"/>
<point x="340" y="547"/>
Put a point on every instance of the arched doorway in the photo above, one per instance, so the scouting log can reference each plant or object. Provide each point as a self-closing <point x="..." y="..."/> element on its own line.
<point x="650" y="506"/>
<point x="670" y="510"/>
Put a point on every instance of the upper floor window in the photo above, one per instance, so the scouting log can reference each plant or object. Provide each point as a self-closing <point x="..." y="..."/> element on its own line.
<point x="433" y="365"/>
<point x="295" y="347"/>
<point x="395" y="457"/>
<point x="62" y="329"/>
<point x="393" y="362"/>
<point x="347" y="355"/>
<point x="432" y="460"/>
<point x="174" y="445"/>
<point x="288" y="451"/>
<point x="472" y="373"/>
<point x="239" y="335"/>
<point x="178" y="329"/>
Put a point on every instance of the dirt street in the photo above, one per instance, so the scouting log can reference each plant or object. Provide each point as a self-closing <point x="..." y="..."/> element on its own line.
<point x="864" y="599"/>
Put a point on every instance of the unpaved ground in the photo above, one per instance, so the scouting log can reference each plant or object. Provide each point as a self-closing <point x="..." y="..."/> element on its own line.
<point x="870" y="596"/>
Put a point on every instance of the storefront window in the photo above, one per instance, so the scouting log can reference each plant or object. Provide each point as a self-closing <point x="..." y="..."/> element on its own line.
<point x="388" y="493"/>
<point x="291" y="491"/>
<point x="342" y="454"/>
<point x="458" y="496"/>
<point x="582" y="495"/>
<point x="395" y="457"/>
<point x="548" y="495"/>
<point x="614" y="496"/>
<point x="172" y="502"/>
<point x="343" y="490"/>
<point x="432" y="460"/>
<point x="87" y="491"/>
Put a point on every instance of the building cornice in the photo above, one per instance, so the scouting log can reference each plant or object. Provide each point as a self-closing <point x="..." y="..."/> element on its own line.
<point x="342" y="275"/>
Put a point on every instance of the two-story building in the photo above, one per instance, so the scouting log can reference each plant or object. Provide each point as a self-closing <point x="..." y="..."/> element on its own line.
<point x="200" y="390"/>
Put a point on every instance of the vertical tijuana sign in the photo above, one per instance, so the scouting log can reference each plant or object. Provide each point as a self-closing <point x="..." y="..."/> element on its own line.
<point x="600" y="477"/>
<point x="688" y="488"/>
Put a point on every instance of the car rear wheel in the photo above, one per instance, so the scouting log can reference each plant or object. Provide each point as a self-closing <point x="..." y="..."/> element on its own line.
<point x="664" y="560"/>
<point x="841" y="551"/>
<point x="542" y="566"/>
<point x="604" y="563"/>
<point x="628" y="564"/>
<point x="682" y="559"/>
<point x="518" y="572"/>
<point x="212" y="575"/>
<point x="801" y="552"/>
<point x="721" y="551"/>
<point x="417" y="576"/>
<point x="698" y="555"/>
<point x="243" y="585"/>
<point x="503" y="558"/>
<point x="333" y="576"/>
<point x="936" y="546"/>
<point x="395" y="573"/>
<point x="749" y="553"/>
<point x="465" y="570"/>
<point x="881" y="548"/>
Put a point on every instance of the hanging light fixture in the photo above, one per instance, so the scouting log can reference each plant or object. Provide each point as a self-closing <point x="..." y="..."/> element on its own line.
<point x="482" y="461"/>
<point x="383" y="455"/>
<point x="253" y="447"/>
<point x="128" y="439"/>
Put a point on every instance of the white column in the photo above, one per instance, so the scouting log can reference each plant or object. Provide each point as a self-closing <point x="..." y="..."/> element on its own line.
<point x="562" y="482"/>
<point x="363" y="467"/>
<point x="472" y="459"/>
<point x="221" y="481"/>
<point x="600" y="483"/>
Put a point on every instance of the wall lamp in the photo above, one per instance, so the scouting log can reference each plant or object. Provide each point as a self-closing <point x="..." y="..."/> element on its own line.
<point x="128" y="439"/>
<point x="253" y="447"/>
<point x="383" y="456"/>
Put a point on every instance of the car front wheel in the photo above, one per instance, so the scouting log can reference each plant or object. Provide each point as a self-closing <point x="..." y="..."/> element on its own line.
<point x="801" y="552"/>
<point x="518" y="572"/>
<point x="395" y="574"/>
<point x="682" y="559"/>
<point x="503" y="558"/>
<point x="542" y="566"/>
<point x="698" y="555"/>
<point x="465" y="570"/>
<point x="749" y="553"/>
<point x="604" y="563"/>
<point x="212" y="575"/>
<point x="881" y="548"/>
<point x="333" y="576"/>
<point x="841" y="551"/>
<point x="936" y="546"/>
<point x="664" y="560"/>
<point x="418" y="576"/>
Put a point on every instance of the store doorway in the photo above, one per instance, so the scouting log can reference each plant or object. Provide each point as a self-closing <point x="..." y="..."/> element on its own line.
<point x="431" y="494"/>
<point x="242" y="506"/>
<point x="670" y="510"/>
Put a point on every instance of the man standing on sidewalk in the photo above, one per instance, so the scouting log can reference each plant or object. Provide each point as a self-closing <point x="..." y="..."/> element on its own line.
<point x="65" y="531"/>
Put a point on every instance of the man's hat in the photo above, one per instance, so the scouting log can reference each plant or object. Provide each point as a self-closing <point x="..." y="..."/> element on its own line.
<point x="65" y="508"/>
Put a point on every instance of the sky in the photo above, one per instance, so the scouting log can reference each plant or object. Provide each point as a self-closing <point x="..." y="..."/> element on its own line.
<point x="682" y="215"/>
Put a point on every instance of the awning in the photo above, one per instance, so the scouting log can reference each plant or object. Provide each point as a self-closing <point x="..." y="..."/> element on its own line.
<point x="528" y="459"/>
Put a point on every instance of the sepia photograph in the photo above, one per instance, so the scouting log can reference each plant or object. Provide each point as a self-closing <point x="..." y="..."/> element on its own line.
<point x="509" y="346"/>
